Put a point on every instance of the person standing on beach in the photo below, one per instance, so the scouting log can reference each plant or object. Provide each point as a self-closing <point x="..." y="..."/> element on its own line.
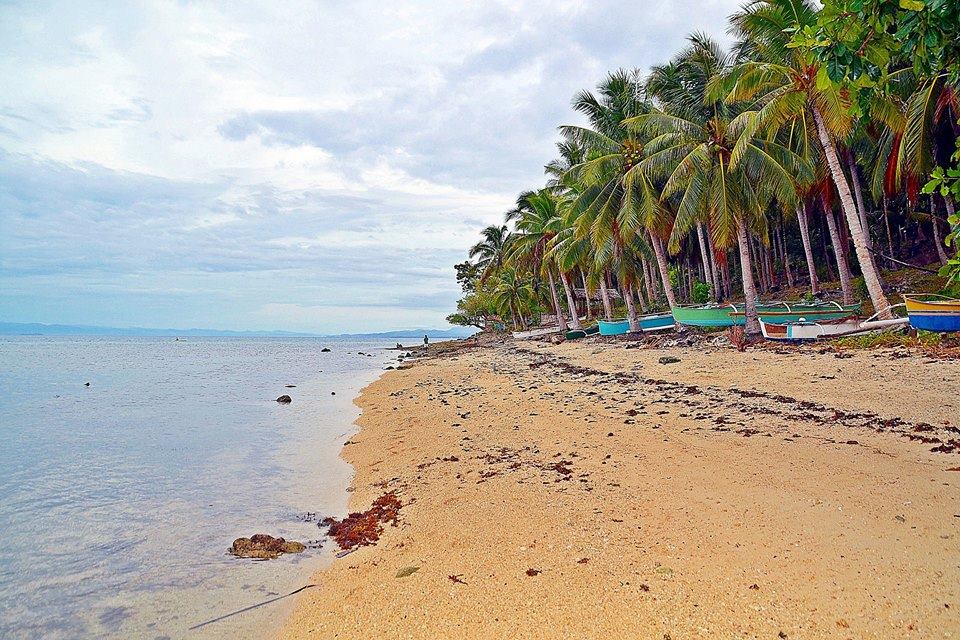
<point x="426" y="340"/>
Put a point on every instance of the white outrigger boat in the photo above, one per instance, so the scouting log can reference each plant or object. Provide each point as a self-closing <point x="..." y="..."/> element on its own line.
<point x="535" y="333"/>
<point x="848" y="326"/>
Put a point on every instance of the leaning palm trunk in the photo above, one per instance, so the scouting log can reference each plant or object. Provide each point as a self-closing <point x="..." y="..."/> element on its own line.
<point x="605" y="296"/>
<point x="571" y="303"/>
<point x="631" y="308"/>
<point x="556" y="301"/>
<point x="705" y="257"/>
<point x="807" y="247"/>
<point x="937" y="237"/>
<point x="858" y="194"/>
<point x="749" y="288"/>
<point x="664" y="270"/>
<point x="586" y="294"/>
<point x="842" y="265"/>
<point x="867" y="266"/>
<point x="886" y="222"/>
<point x="785" y="256"/>
<point x="717" y="281"/>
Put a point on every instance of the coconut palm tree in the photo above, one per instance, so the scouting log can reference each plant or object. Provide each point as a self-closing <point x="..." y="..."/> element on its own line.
<point x="618" y="201"/>
<point x="491" y="250"/>
<point x="513" y="295"/>
<point x="789" y="84"/>
<point x="708" y="167"/>
<point x="538" y="222"/>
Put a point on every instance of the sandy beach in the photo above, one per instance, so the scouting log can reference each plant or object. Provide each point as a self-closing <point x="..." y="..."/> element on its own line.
<point x="591" y="491"/>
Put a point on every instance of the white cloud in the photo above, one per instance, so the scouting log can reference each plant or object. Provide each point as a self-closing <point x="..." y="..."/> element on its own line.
<point x="201" y="161"/>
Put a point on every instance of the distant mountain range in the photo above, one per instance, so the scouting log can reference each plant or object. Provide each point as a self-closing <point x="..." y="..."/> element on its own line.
<point x="38" y="329"/>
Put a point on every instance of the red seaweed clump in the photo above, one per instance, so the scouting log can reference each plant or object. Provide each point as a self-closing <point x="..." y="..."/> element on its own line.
<point x="364" y="528"/>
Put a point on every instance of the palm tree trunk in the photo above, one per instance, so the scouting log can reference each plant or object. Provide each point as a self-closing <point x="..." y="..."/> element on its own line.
<point x="867" y="266"/>
<point x="858" y="194"/>
<point x="842" y="266"/>
<point x="725" y="269"/>
<point x="937" y="238"/>
<point x="705" y="256"/>
<point x="749" y="289"/>
<point x="586" y="294"/>
<point x="640" y="300"/>
<point x="605" y="296"/>
<point x="715" y="277"/>
<point x="785" y="255"/>
<point x="807" y="248"/>
<point x="556" y="301"/>
<point x="571" y="303"/>
<point x="648" y="281"/>
<point x="757" y="257"/>
<point x="632" y="319"/>
<point x="771" y="268"/>
<point x="664" y="270"/>
<point x="886" y="222"/>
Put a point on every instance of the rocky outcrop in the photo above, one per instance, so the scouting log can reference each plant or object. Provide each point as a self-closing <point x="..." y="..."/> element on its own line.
<point x="284" y="399"/>
<point x="264" y="547"/>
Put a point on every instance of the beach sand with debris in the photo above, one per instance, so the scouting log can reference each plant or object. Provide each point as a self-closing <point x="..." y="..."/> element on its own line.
<point x="590" y="491"/>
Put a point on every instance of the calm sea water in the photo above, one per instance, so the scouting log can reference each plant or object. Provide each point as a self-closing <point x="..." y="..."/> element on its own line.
<point x="118" y="500"/>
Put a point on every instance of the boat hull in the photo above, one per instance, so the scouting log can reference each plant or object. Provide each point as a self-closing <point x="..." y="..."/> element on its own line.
<point x="730" y="315"/>
<point x="657" y="322"/>
<point x="801" y="331"/>
<point x="614" y="328"/>
<point x="940" y="315"/>
<point x="653" y="322"/>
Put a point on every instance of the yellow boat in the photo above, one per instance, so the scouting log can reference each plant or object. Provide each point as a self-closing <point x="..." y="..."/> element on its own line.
<point x="933" y="312"/>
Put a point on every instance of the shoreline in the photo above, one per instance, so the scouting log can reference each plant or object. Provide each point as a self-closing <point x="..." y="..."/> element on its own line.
<point x="588" y="490"/>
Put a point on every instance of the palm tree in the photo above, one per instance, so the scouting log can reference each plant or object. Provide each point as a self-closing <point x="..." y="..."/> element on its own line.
<point x="618" y="201"/>
<point x="491" y="250"/>
<point x="709" y="168"/>
<point x="538" y="222"/>
<point x="513" y="295"/>
<point x="787" y="84"/>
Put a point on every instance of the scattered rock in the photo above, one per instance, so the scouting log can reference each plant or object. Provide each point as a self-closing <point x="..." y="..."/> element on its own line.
<point x="284" y="399"/>
<point x="407" y="571"/>
<point x="291" y="386"/>
<point x="533" y="572"/>
<point x="86" y="384"/>
<point x="325" y="350"/>
<point x="668" y="360"/>
<point x="264" y="547"/>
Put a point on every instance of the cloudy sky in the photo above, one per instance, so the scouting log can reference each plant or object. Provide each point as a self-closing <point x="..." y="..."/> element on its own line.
<point x="308" y="166"/>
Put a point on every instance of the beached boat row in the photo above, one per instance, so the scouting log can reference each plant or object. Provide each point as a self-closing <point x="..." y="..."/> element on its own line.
<point x="785" y="320"/>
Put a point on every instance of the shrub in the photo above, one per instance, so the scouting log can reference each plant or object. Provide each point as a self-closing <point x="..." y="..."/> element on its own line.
<point x="701" y="292"/>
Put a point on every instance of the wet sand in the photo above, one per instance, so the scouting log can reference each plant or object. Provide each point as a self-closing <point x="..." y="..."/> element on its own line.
<point x="588" y="491"/>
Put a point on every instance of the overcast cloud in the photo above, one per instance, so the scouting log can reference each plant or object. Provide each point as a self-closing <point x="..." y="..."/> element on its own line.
<point x="277" y="165"/>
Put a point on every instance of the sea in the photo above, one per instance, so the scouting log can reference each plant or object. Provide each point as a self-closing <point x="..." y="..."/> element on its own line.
<point x="129" y="465"/>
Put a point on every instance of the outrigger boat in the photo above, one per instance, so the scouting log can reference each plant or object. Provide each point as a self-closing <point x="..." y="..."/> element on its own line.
<point x="535" y="333"/>
<point x="804" y="329"/>
<point x="651" y="322"/>
<point x="714" y="315"/>
<point x="581" y="333"/>
<point x="933" y="312"/>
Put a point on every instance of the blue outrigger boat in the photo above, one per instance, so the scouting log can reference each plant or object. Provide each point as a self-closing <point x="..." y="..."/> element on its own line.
<point x="651" y="322"/>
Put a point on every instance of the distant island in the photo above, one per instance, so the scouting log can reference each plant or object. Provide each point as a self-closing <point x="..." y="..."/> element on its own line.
<point x="40" y="329"/>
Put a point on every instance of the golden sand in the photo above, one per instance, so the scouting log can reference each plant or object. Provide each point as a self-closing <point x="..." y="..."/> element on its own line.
<point x="588" y="491"/>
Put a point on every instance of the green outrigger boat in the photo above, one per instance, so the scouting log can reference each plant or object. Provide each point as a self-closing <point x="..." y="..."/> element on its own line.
<point x="714" y="315"/>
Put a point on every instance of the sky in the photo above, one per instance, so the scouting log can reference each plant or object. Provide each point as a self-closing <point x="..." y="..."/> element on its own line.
<point x="300" y="166"/>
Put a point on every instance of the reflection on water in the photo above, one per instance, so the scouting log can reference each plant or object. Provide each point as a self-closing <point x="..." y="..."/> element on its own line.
<point x="118" y="500"/>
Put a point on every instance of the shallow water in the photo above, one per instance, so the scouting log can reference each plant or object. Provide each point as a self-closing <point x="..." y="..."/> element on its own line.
<point x="118" y="500"/>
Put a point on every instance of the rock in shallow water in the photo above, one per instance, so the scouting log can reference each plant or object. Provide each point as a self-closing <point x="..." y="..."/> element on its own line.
<point x="284" y="399"/>
<point x="264" y="547"/>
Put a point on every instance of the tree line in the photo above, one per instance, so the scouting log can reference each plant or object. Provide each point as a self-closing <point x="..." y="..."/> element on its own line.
<point x="817" y="148"/>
